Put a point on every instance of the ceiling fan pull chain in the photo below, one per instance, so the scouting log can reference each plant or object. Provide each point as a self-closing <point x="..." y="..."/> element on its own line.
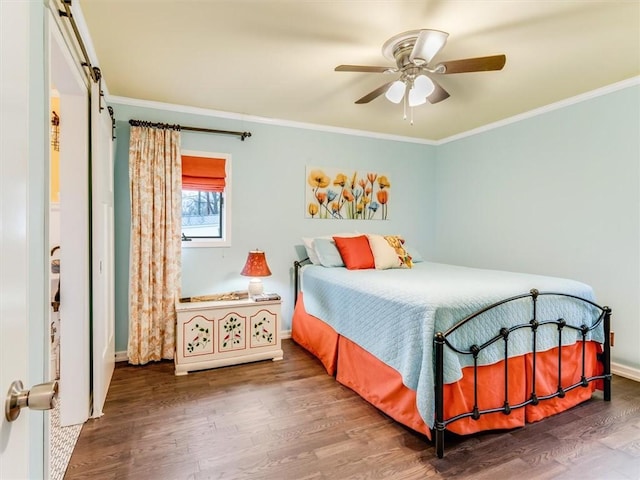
<point x="404" y="104"/>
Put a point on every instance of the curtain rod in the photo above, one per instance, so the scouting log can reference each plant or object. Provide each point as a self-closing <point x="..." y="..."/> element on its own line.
<point x="142" y="123"/>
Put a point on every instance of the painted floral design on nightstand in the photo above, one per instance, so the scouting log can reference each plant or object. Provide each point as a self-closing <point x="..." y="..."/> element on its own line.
<point x="197" y="336"/>
<point x="232" y="333"/>
<point x="263" y="328"/>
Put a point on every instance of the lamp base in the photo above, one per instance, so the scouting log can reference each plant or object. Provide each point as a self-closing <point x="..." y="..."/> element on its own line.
<point x="255" y="287"/>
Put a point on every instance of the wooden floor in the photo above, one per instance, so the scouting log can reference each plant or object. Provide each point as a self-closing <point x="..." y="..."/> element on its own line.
<point x="290" y="420"/>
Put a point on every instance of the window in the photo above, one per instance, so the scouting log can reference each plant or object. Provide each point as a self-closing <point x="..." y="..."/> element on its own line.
<point x="206" y="194"/>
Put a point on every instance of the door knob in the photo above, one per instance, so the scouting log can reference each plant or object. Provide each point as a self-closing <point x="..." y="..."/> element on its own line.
<point x="40" y="397"/>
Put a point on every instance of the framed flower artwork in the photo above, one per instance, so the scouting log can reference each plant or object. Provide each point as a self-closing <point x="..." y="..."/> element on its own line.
<point x="341" y="194"/>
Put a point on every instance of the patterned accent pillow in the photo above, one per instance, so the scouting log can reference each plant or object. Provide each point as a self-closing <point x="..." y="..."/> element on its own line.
<point x="388" y="252"/>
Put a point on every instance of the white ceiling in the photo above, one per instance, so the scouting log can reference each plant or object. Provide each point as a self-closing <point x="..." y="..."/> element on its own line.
<point x="276" y="58"/>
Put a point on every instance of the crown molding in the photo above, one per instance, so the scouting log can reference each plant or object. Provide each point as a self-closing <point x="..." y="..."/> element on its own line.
<point x="134" y="102"/>
<point x="171" y="107"/>
<point x="614" y="87"/>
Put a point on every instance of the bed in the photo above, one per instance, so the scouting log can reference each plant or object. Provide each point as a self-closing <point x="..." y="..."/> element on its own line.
<point x="442" y="347"/>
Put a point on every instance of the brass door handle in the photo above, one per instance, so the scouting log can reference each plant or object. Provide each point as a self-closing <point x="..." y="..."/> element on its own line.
<point x="41" y="397"/>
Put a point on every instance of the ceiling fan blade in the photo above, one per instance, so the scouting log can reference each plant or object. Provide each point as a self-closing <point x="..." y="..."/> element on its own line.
<point x="439" y="94"/>
<point x="363" y="68"/>
<point x="479" y="64"/>
<point x="375" y="94"/>
<point x="428" y="44"/>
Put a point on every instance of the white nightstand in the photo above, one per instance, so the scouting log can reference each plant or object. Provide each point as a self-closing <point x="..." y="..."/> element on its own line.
<point x="220" y="333"/>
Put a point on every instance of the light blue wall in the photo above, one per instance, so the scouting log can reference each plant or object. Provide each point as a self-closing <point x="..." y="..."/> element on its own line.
<point x="556" y="194"/>
<point x="268" y="207"/>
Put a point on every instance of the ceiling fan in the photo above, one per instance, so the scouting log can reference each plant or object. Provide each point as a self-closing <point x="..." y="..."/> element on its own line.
<point x="412" y="52"/>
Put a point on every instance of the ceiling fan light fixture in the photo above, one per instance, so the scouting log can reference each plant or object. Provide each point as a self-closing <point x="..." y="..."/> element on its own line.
<point x="422" y="87"/>
<point x="415" y="99"/>
<point x="428" y="44"/>
<point x="396" y="91"/>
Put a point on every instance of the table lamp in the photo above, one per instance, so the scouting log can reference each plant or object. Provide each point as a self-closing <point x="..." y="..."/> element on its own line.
<point x="255" y="267"/>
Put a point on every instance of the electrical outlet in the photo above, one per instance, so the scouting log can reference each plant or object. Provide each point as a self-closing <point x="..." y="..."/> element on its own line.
<point x="611" y="338"/>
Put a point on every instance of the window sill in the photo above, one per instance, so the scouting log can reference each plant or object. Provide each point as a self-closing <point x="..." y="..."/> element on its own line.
<point x="196" y="243"/>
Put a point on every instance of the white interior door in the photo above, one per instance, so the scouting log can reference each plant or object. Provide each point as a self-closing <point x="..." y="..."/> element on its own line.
<point x="103" y="328"/>
<point x="22" y="241"/>
<point x="75" y="311"/>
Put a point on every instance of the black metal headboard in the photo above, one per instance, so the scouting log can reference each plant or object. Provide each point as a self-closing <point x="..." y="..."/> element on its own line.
<point x="296" y="277"/>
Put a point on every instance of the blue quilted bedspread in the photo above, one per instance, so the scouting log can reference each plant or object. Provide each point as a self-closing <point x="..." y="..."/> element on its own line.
<point x="395" y="313"/>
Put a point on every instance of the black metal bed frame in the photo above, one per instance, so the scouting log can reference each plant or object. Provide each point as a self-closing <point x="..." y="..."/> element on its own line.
<point x="441" y="339"/>
<point x="296" y="278"/>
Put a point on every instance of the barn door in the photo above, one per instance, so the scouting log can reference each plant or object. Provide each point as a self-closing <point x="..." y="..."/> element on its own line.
<point x="103" y="328"/>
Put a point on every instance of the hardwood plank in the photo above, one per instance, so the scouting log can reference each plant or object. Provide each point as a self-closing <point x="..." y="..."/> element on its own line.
<point x="290" y="420"/>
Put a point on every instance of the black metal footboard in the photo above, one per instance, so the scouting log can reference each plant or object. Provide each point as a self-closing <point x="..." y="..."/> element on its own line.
<point x="442" y="339"/>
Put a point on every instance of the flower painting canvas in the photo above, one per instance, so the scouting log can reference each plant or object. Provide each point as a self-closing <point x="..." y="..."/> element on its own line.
<point x="341" y="194"/>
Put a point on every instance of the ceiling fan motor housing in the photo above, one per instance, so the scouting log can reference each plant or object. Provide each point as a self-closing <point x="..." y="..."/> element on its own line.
<point x="399" y="47"/>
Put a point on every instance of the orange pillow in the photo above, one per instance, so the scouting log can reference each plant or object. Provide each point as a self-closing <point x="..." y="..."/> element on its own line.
<point x="355" y="252"/>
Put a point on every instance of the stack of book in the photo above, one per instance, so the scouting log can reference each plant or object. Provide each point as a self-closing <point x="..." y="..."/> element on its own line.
<point x="265" y="297"/>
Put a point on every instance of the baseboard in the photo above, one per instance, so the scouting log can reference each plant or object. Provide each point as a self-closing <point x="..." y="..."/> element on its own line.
<point x="123" y="357"/>
<point x="626" y="372"/>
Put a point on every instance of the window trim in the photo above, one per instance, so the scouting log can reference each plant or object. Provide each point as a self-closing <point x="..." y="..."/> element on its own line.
<point x="225" y="241"/>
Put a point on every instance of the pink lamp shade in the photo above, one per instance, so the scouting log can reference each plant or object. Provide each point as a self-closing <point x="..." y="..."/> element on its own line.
<point x="256" y="266"/>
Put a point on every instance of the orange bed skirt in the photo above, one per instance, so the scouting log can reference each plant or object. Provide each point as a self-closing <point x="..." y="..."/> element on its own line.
<point x="382" y="386"/>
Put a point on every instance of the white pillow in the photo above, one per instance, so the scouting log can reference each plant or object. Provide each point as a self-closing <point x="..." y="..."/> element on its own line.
<point x="327" y="252"/>
<point x="416" y="256"/>
<point x="311" y="253"/>
<point x="310" y="248"/>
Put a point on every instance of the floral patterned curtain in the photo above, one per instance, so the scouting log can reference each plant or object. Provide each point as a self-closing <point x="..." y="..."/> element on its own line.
<point x="154" y="278"/>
